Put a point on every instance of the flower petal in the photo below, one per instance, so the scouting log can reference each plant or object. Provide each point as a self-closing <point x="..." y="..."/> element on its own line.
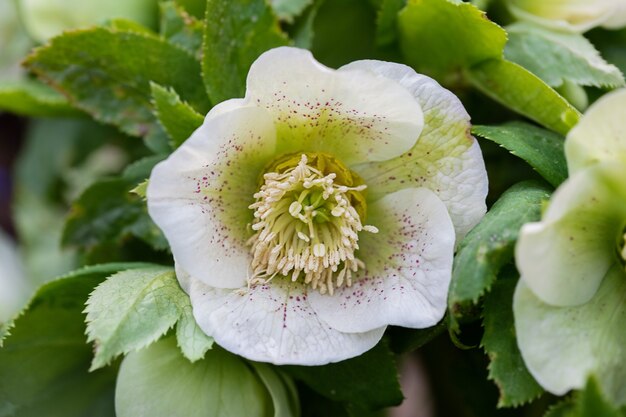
<point x="354" y="115"/>
<point x="599" y="136"/>
<point x="564" y="258"/>
<point x="274" y="323"/>
<point x="199" y="196"/>
<point x="408" y="267"/>
<point x="563" y="346"/>
<point x="569" y="15"/>
<point x="446" y="158"/>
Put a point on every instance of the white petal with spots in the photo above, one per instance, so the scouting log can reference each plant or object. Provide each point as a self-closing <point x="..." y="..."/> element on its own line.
<point x="274" y="323"/>
<point x="446" y="159"/>
<point x="408" y="267"/>
<point x="199" y="196"/>
<point x="354" y="115"/>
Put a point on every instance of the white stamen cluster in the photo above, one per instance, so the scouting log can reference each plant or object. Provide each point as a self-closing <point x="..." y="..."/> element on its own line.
<point x="306" y="228"/>
<point x="624" y="247"/>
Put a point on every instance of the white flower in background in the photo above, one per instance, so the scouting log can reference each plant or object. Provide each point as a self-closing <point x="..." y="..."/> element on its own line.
<point x="323" y="206"/>
<point x="14" y="290"/>
<point x="569" y="304"/>
<point x="44" y="19"/>
<point x="575" y="15"/>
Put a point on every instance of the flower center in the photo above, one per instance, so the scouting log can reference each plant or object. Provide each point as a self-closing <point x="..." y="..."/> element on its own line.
<point x="307" y="219"/>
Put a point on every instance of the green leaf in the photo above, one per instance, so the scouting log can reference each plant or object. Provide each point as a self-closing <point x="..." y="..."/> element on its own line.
<point x="339" y="42"/>
<point x="45" y="360"/>
<point x="181" y="28"/>
<point x="235" y="34"/>
<point x="506" y="367"/>
<point x="107" y="212"/>
<point x="281" y="388"/>
<point x="542" y="149"/>
<point x="193" y="342"/>
<point x="563" y="56"/>
<point x="525" y="93"/>
<point x="159" y="382"/>
<point x="489" y="246"/>
<point x="287" y="10"/>
<point x="369" y="381"/>
<point x="177" y="117"/>
<point x="439" y="37"/>
<point x="112" y="81"/>
<point x="33" y="99"/>
<point x="404" y="340"/>
<point x="589" y="402"/>
<point x="387" y="21"/>
<point x="196" y="8"/>
<point x="302" y="31"/>
<point x="132" y="309"/>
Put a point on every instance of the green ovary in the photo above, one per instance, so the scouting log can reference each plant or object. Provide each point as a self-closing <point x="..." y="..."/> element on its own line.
<point x="307" y="219"/>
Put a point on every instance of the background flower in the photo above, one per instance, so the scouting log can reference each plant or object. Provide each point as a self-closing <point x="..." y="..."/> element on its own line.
<point x="577" y="15"/>
<point x="568" y="305"/>
<point x="404" y="135"/>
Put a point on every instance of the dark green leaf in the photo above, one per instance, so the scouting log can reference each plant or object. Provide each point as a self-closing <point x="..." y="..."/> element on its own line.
<point x="507" y="367"/>
<point x="108" y="212"/>
<point x="112" y="81"/>
<point x="404" y="340"/>
<point x="31" y="98"/>
<point x="235" y="34"/>
<point x="44" y="362"/>
<point x="177" y="117"/>
<point x="369" y="380"/>
<point x="387" y="21"/>
<point x="542" y="149"/>
<point x="344" y="31"/>
<point x="439" y="37"/>
<point x="181" y="28"/>
<point x="302" y="31"/>
<point x="523" y="92"/>
<point x="489" y="246"/>
<point x="196" y="8"/>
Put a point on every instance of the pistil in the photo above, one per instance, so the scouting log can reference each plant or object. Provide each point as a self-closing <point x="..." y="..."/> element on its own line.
<point x="306" y="228"/>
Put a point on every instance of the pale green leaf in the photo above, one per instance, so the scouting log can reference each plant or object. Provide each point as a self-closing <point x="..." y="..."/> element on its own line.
<point x="506" y="367"/>
<point x="559" y="56"/>
<point x="281" y="390"/>
<point x="525" y="93"/>
<point x="112" y="81"/>
<point x="489" y="246"/>
<point x="439" y="37"/>
<point x="193" y="342"/>
<point x="132" y="309"/>
<point x="159" y="382"/>
<point x="178" y="118"/>
<point x="542" y="149"/>
<point x="31" y="98"/>
<point x="235" y="34"/>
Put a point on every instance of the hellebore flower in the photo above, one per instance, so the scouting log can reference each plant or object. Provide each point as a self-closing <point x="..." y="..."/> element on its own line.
<point x="569" y="303"/>
<point x="323" y="206"/>
<point x="573" y="15"/>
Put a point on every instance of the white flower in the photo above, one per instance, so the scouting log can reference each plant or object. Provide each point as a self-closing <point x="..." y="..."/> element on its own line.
<point x="323" y="206"/>
<point x="575" y="15"/>
<point x="569" y="303"/>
